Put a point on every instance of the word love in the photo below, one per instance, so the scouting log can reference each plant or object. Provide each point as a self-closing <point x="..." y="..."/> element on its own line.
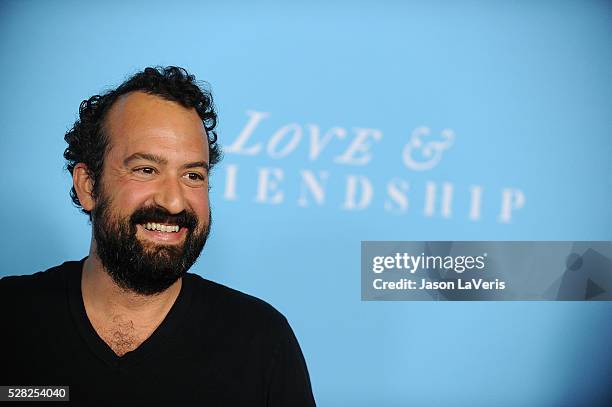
<point x="417" y="154"/>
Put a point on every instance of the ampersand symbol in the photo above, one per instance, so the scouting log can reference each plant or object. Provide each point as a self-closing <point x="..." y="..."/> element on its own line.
<point x="431" y="151"/>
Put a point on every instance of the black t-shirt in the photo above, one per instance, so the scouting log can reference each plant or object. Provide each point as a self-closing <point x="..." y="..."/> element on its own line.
<point x="216" y="347"/>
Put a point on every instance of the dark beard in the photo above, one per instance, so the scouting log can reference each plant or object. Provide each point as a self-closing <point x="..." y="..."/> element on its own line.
<point x="145" y="270"/>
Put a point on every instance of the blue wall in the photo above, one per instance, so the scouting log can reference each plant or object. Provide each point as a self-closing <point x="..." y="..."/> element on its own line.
<point x="524" y="89"/>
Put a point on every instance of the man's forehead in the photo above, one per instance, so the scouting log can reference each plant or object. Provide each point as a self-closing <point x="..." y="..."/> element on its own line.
<point x="144" y="109"/>
<point x="139" y="120"/>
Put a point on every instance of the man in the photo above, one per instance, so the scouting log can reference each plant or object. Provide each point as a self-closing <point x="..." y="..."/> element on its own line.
<point x="128" y="324"/>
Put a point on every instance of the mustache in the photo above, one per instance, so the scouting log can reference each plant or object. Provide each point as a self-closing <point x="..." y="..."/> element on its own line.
<point x="156" y="214"/>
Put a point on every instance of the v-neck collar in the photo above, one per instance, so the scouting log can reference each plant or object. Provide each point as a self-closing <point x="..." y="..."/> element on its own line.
<point x="171" y="322"/>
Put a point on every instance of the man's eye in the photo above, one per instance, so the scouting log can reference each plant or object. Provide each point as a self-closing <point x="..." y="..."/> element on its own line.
<point x="194" y="176"/>
<point x="145" y="171"/>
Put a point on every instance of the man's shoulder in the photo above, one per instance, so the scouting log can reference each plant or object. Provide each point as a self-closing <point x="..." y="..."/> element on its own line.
<point x="37" y="285"/>
<point x="234" y="304"/>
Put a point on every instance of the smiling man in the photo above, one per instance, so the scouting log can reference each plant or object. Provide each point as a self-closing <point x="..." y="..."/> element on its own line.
<point x="128" y="324"/>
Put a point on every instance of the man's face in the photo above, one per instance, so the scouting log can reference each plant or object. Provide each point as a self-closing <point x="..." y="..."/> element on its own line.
<point x="151" y="217"/>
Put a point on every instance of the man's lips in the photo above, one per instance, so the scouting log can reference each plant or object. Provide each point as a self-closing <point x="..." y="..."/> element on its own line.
<point x="167" y="236"/>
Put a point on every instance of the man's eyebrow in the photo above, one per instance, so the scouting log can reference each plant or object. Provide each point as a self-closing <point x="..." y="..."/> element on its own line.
<point x="162" y="161"/>
<point x="145" y="156"/>
<point x="197" y="164"/>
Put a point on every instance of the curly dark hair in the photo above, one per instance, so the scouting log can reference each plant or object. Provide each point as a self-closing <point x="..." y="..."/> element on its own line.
<point x="87" y="141"/>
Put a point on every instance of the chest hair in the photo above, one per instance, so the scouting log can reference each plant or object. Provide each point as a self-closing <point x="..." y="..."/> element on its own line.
<point x="121" y="335"/>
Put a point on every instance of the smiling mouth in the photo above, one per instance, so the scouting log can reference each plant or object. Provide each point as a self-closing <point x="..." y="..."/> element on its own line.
<point x="161" y="227"/>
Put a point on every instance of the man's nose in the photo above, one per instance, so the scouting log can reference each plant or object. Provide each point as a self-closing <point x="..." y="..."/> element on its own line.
<point x="170" y="195"/>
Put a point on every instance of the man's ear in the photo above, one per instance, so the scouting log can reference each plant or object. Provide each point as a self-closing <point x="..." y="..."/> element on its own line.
<point x="83" y="185"/>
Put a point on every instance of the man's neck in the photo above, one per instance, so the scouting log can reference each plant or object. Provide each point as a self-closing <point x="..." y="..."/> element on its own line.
<point x="116" y="312"/>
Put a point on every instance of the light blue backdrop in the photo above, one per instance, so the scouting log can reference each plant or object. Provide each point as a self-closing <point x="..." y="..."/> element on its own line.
<point x="525" y="88"/>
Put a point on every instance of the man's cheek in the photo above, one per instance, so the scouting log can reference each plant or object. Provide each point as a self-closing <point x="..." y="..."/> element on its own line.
<point x="203" y="216"/>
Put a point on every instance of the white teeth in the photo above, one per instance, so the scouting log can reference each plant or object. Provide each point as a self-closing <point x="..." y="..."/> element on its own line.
<point x="160" y="227"/>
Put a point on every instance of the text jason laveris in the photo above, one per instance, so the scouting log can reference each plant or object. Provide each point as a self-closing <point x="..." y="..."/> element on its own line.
<point x="424" y="284"/>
